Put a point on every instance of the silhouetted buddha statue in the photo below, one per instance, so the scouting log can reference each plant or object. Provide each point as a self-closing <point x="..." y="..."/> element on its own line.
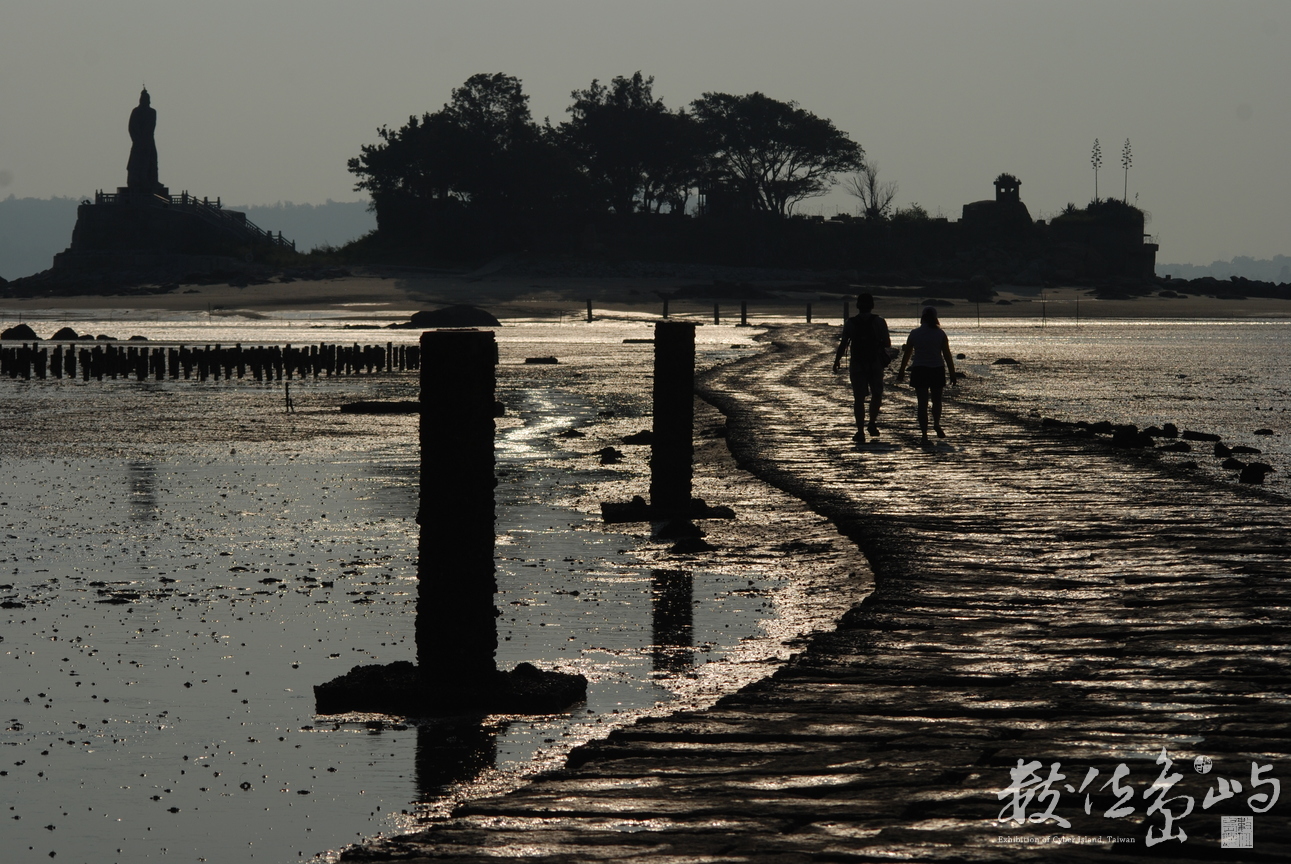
<point x="141" y="171"/>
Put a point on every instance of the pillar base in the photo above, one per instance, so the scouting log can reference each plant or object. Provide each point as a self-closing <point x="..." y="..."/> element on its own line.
<point x="398" y="688"/>
<point x="637" y="510"/>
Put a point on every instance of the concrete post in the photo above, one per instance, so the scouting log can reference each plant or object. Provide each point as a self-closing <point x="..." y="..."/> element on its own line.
<point x="665" y="307"/>
<point x="589" y="311"/>
<point x="744" y="313"/>
<point x="808" y="313"/>
<point x="717" y="318"/>
<point x="674" y="409"/>
<point x="456" y="628"/>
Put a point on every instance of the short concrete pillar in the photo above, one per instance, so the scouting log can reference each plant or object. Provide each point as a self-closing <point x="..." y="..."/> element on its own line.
<point x="744" y="313"/>
<point x="456" y="620"/>
<point x="717" y="316"/>
<point x="672" y="451"/>
<point x="808" y="313"/>
<point x="589" y="311"/>
<point x="665" y="307"/>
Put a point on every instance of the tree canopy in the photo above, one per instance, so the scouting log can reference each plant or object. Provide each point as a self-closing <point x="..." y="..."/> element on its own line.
<point x="481" y="171"/>
<point x="773" y="153"/>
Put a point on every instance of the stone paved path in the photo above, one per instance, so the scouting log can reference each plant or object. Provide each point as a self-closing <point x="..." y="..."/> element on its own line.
<point x="1038" y="598"/>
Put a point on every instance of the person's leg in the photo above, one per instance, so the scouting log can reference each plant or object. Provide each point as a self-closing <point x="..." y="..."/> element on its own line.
<point x="921" y="394"/>
<point x="860" y="391"/>
<point x="936" y="411"/>
<point x="876" y="399"/>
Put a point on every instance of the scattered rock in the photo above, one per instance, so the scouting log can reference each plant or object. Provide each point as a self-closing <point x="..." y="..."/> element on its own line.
<point x="610" y="455"/>
<point x="460" y="315"/>
<point x="1176" y="447"/>
<point x="1246" y="451"/>
<point x="1232" y="464"/>
<point x="572" y="433"/>
<point x="1263" y="431"/>
<point x="20" y="333"/>
<point x="380" y="407"/>
<point x="1189" y="435"/>
<point x="1169" y="430"/>
<point x="1222" y="449"/>
<point x="1254" y="473"/>
<point x="65" y="334"/>
<point x="690" y="546"/>
<point x="540" y="360"/>
<point x="1005" y="361"/>
<point x="645" y="436"/>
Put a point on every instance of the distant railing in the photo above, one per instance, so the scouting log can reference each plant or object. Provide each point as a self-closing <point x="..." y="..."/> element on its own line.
<point x="212" y="213"/>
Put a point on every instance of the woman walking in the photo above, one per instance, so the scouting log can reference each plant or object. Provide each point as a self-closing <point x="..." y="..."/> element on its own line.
<point x="932" y="358"/>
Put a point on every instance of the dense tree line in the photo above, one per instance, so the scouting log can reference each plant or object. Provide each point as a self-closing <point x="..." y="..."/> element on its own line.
<point x="480" y="175"/>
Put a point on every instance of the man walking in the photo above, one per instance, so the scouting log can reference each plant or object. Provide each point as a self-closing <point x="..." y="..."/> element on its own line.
<point x="867" y="334"/>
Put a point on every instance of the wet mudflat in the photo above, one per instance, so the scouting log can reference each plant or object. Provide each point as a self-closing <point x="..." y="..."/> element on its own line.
<point x="183" y="561"/>
<point x="1046" y="611"/>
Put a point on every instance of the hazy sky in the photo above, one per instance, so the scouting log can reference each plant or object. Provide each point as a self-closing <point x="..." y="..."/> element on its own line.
<point x="264" y="101"/>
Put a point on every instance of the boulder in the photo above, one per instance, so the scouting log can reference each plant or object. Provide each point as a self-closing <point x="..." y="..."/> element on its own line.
<point x="1005" y="361"/>
<point x="1189" y="435"/>
<point x="1263" y="431"/>
<point x="1176" y="447"/>
<point x="1169" y="430"/>
<point x="20" y="333"/>
<point x="66" y="334"/>
<point x="1232" y="464"/>
<point x="460" y="315"/>
<point x="1246" y="451"/>
<point x="1254" y="473"/>
<point x="1222" y="449"/>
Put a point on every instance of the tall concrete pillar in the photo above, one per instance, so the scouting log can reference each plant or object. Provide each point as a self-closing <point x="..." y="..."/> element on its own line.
<point x="674" y="416"/>
<point x="456" y="620"/>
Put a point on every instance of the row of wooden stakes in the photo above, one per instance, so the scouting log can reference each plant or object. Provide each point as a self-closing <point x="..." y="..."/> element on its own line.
<point x="260" y="362"/>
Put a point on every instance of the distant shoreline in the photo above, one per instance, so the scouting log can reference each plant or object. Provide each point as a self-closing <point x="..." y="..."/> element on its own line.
<point x="391" y="296"/>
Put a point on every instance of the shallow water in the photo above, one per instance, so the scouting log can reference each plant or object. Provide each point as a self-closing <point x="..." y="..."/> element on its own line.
<point x="185" y="561"/>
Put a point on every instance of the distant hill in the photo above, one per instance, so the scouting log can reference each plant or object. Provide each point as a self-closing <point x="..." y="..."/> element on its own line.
<point x="1276" y="269"/>
<point x="33" y="230"/>
<point x="312" y="225"/>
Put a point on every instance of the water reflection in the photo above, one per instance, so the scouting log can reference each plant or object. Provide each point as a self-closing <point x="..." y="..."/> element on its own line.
<point x="453" y="752"/>
<point x="143" y="490"/>
<point x="673" y="620"/>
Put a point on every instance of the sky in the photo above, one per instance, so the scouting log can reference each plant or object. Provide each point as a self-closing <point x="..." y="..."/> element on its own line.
<point x="261" y="101"/>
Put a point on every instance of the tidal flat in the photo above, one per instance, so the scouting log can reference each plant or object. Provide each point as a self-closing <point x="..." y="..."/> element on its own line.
<point x="185" y="560"/>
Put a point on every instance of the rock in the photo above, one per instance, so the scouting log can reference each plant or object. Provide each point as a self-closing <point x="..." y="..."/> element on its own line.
<point x="1169" y="430"/>
<point x="1005" y="361"/>
<point x="1129" y="436"/>
<point x="1154" y="432"/>
<point x="66" y="334"/>
<point x="460" y="315"/>
<point x="959" y="356"/>
<point x="1102" y="427"/>
<point x="1189" y="435"/>
<point x="1246" y="451"/>
<point x="1176" y="447"/>
<point x="1222" y="449"/>
<point x="610" y="455"/>
<point x="572" y="433"/>
<point x="499" y="409"/>
<point x="1232" y="464"/>
<point x="1254" y="473"/>
<point x="137" y="338"/>
<point x="377" y="407"/>
<point x="20" y="333"/>
<point x="645" y="436"/>
<point x="1263" y="431"/>
<point x="690" y="546"/>
<point x="541" y="360"/>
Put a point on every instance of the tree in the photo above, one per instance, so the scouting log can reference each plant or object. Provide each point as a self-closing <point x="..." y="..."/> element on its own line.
<point x="875" y="197"/>
<point x="479" y="160"/>
<point x="635" y="153"/>
<point x="773" y="154"/>
<point x="1096" y="159"/>
<point x="1127" y="159"/>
